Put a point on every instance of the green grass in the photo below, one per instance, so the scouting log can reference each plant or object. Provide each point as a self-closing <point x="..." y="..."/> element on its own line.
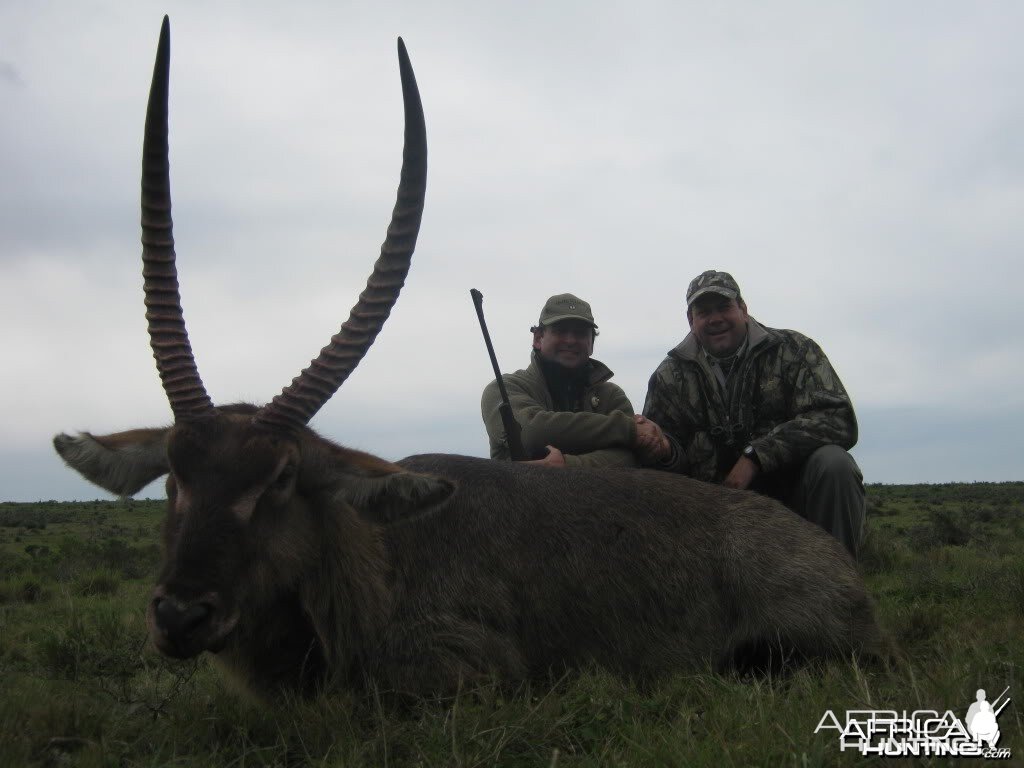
<point x="79" y="684"/>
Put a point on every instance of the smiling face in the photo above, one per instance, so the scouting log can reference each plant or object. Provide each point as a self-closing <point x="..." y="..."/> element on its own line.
<point x="719" y="323"/>
<point x="567" y="342"/>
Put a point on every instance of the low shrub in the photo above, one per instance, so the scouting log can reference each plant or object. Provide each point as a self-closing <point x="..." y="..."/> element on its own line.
<point x="25" y="589"/>
<point x="98" y="582"/>
<point x="950" y="526"/>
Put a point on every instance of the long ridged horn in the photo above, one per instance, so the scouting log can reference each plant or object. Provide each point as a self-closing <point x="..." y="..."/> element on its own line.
<point x="308" y="392"/>
<point x="167" y="334"/>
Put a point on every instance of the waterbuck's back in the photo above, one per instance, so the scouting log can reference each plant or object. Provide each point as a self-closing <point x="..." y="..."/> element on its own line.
<point x="641" y="571"/>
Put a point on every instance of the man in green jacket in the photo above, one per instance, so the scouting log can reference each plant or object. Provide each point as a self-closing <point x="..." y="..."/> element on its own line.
<point x="756" y="408"/>
<point x="564" y="401"/>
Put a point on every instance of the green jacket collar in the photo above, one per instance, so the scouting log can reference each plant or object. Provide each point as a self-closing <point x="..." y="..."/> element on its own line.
<point x="599" y="372"/>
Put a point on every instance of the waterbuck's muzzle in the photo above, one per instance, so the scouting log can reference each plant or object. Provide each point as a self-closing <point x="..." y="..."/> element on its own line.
<point x="183" y="628"/>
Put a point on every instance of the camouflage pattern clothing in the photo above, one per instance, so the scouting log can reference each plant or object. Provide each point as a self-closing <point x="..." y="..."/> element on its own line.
<point x="781" y="396"/>
<point x="598" y="432"/>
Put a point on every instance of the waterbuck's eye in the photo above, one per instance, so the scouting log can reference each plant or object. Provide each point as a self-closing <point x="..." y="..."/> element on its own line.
<point x="284" y="479"/>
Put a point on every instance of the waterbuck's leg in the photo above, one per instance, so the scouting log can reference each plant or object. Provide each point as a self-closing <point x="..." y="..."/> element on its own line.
<point x="447" y="652"/>
<point x="123" y="463"/>
<point x="817" y="620"/>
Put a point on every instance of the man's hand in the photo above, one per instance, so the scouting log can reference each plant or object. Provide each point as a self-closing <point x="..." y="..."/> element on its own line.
<point x="742" y="474"/>
<point x="651" y="444"/>
<point x="553" y="459"/>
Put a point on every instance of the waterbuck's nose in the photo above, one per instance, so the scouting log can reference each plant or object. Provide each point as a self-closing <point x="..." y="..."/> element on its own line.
<point x="180" y="623"/>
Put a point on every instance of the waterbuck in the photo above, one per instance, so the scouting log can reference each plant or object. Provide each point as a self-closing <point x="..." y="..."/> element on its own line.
<point x="304" y="565"/>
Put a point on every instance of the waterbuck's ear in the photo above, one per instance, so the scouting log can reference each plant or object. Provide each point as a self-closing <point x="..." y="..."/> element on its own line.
<point x="122" y="463"/>
<point x="392" y="495"/>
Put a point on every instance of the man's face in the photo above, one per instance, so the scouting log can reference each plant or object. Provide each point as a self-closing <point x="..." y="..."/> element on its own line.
<point x="568" y="342"/>
<point x="719" y="323"/>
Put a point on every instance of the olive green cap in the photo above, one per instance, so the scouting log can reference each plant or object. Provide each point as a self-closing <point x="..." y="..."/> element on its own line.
<point x="565" y="306"/>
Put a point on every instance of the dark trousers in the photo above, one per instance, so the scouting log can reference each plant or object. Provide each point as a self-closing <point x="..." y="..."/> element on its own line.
<point x="827" y="489"/>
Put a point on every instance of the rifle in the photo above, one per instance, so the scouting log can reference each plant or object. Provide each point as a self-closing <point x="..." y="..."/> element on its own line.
<point x="995" y="711"/>
<point x="513" y="436"/>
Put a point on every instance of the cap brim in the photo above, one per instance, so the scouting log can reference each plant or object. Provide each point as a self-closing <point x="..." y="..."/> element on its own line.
<point x="727" y="292"/>
<point x="560" y="318"/>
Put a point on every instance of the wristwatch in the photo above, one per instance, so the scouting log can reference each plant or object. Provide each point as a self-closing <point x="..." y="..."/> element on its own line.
<point x="751" y="454"/>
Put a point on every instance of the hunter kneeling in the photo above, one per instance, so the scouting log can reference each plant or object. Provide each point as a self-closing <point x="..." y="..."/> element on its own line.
<point x="756" y="408"/>
<point x="565" y="402"/>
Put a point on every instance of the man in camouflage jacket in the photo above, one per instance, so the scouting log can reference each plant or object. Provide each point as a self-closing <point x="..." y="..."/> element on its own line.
<point x="755" y="407"/>
<point x="564" y="401"/>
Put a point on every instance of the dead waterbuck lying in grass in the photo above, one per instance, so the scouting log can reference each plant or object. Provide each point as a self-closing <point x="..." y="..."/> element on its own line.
<point x="304" y="565"/>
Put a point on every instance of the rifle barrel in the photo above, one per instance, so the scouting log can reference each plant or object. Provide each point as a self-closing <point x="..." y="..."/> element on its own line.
<point x="508" y="419"/>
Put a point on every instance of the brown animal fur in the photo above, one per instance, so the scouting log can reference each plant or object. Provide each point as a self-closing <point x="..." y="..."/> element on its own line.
<point x="443" y="569"/>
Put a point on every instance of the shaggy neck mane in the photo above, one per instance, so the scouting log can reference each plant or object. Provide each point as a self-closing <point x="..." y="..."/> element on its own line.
<point x="323" y="633"/>
<point x="345" y="596"/>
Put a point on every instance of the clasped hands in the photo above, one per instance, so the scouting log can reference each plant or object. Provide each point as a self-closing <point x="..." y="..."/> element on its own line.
<point x="650" y="445"/>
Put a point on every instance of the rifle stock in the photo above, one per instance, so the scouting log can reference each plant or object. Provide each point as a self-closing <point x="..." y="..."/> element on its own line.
<point x="513" y="432"/>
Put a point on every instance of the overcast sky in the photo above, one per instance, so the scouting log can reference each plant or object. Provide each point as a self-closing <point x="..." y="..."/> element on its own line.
<point x="858" y="167"/>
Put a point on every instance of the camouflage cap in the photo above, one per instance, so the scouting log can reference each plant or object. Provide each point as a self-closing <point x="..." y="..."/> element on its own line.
<point x="712" y="281"/>
<point x="565" y="306"/>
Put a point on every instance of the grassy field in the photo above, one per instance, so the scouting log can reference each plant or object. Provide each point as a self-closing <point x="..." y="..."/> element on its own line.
<point x="79" y="684"/>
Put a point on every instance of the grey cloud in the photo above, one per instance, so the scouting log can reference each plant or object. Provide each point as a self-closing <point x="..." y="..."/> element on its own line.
<point x="854" y="166"/>
<point x="9" y="74"/>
